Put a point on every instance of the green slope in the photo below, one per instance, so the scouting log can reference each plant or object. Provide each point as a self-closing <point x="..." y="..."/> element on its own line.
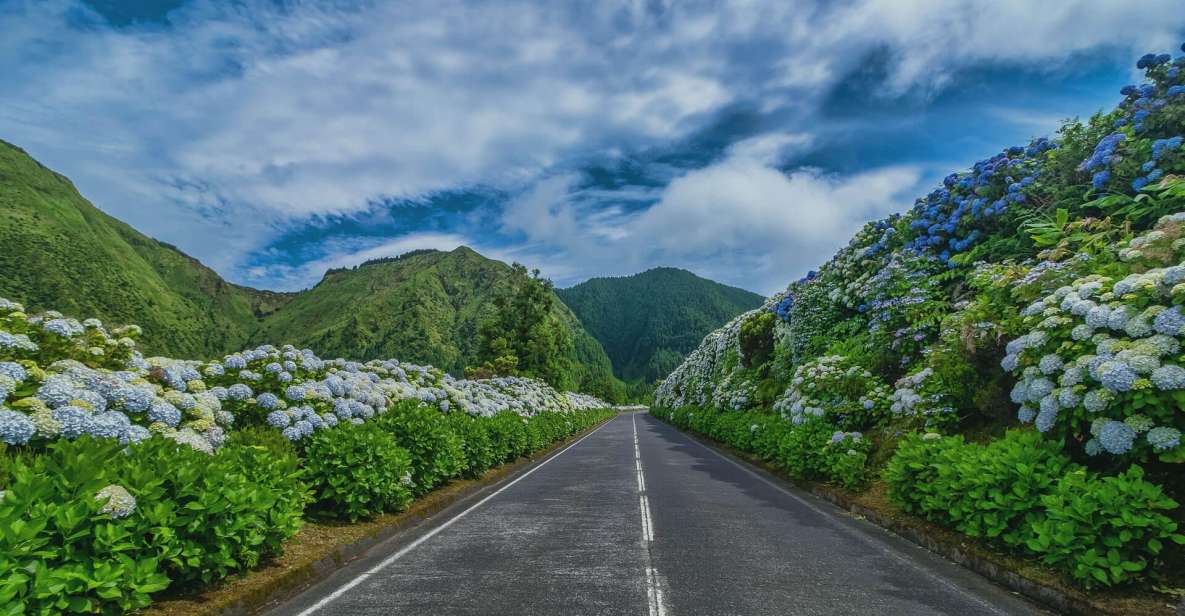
<point x="59" y="251"/>
<point x="424" y="307"/>
<point x="650" y="321"/>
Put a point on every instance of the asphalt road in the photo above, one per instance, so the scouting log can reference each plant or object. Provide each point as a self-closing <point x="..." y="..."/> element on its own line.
<point x="637" y="518"/>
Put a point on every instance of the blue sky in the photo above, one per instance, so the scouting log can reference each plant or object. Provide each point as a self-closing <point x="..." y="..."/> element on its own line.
<point x="742" y="140"/>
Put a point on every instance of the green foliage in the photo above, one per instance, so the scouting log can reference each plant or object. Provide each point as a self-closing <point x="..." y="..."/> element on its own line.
<point x="650" y="321"/>
<point x="757" y="339"/>
<point x="60" y="554"/>
<point x="523" y="334"/>
<point x="437" y="452"/>
<point x="480" y="449"/>
<point x="226" y="512"/>
<point x="1023" y="493"/>
<point x="812" y="450"/>
<point x="204" y="518"/>
<point x="358" y="471"/>
<point x="1107" y="530"/>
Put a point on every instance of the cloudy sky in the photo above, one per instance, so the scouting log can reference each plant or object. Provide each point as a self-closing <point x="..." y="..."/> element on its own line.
<point x="744" y="140"/>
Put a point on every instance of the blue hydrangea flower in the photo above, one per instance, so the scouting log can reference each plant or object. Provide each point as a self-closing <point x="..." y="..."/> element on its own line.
<point x="1164" y="438"/>
<point x="1025" y="414"/>
<point x="234" y="362"/>
<point x="135" y="434"/>
<point x="15" y="428"/>
<point x="75" y="421"/>
<point x="1169" y="322"/>
<point x="1068" y="398"/>
<point x="1169" y="377"/>
<point x="66" y="328"/>
<point x="165" y="413"/>
<point x="304" y="427"/>
<point x="1050" y="364"/>
<point x="1046" y="419"/>
<point x="1097" y="400"/>
<point x="1081" y="332"/>
<point x="268" y="400"/>
<point x="17" y="342"/>
<point x="1093" y="448"/>
<point x="1039" y="388"/>
<point x="238" y="391"/>
<point x="1116" y="437"/>
<point x="292" y="433"/>
<point x="14" y="371"/>
<point x="111" y="424"/>
<point x="1116" y="375"/>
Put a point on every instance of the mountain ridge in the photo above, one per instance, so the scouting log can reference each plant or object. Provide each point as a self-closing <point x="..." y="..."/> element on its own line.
<point x="648" y="322"/>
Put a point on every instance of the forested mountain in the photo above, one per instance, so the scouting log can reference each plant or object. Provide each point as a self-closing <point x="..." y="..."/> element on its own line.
<point x="648" y="322"/>
<point x="61" y="252"/>
<point x="57" y="251"/>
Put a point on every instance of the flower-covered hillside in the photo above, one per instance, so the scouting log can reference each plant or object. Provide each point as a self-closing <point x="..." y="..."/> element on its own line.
<point x="122" y="475"/>
<point x="1040" y="290"/>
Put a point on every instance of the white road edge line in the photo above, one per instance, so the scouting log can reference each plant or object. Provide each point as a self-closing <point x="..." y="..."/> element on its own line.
<point x="414" y="544"/>
<point x="654" y="598"/>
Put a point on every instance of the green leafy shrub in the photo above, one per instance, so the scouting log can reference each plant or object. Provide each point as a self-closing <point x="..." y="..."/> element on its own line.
<point x="225" y="512"/>
<point x="991" y="491"/>
<point x="437" y="453"/>
<point x="1104" y="531"/>
<point x="358" y="471"/>
<point x="757" y="340"/>
<point x="1022" y="492"/>
<point x="474" y="432"/>
<point x="59" y="551"/>
<point x="508" y="431"/>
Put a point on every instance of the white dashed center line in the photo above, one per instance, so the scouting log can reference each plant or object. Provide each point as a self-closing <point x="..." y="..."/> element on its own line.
<point x="654" y="596"/>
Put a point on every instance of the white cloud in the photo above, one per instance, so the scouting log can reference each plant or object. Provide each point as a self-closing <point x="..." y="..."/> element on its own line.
<point x="741" y="220"/>
<point x="242" y="119"/>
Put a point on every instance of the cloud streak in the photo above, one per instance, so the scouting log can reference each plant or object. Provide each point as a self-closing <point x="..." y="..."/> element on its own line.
<point x="233" y="124"/>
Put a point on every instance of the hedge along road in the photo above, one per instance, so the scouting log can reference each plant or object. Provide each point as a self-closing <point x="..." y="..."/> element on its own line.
<point x="637" y="518"/>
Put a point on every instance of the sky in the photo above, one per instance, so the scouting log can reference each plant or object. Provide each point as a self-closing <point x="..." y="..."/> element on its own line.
<point x="743" y="140"/>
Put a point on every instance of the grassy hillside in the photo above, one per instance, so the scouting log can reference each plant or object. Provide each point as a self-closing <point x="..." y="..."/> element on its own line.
<point x="60" y="252"/>
<point x="424" y="307"/>
<point x="650" y="321"/>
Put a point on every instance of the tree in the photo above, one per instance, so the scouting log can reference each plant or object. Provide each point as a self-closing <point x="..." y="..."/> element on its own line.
<point x="523" y="334"/>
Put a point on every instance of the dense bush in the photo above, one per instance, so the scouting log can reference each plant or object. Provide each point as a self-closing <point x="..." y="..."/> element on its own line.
<point x="358" y="471"/>
<point x="1022" y="492"/>
<point x="437" y="452"/>
<point x="65" y="549"/>
<point x="811" y="450"/>
<point x="837" y="390"/>
<point x="91" y="529"/>
<point x="1044" y="285"/>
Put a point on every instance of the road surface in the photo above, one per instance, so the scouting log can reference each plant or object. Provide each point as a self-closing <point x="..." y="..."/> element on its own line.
<point x="637" y="518"/>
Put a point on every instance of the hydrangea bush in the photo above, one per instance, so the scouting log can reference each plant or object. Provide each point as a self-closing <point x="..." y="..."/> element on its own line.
<point x="1102" y="362"/>
<point x="63" y="379"/>
<point x="834" y="388"/>
<point x="1042" y="287"/>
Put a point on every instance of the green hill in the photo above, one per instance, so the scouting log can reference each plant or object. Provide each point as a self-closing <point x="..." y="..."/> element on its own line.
<point x="60" y="252"/>
<point x="424" y="306"/>
<point x="650" y="321"/>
